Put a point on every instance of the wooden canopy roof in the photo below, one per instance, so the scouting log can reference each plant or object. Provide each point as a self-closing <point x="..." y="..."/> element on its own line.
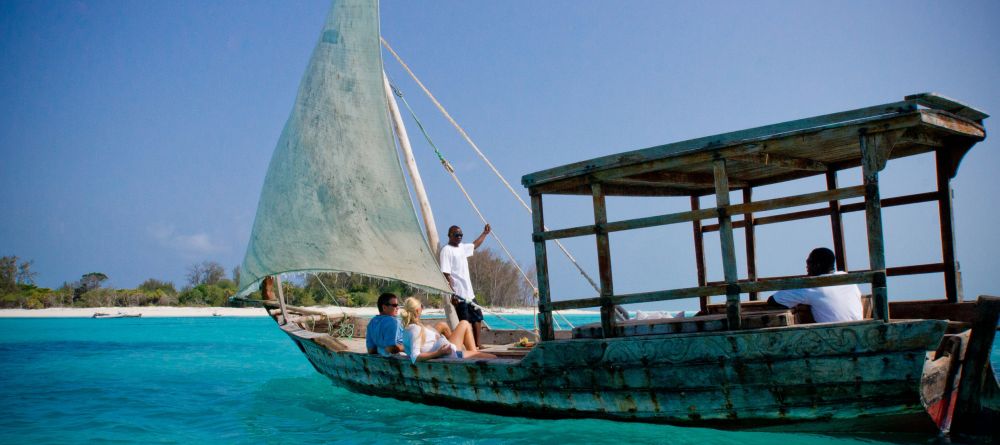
<point x="772" y="153"/>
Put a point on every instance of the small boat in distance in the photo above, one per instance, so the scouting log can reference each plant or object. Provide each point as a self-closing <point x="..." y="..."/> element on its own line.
<point x="118" y="315"/>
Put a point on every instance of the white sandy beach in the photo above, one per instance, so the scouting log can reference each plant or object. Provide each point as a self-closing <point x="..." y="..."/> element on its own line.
<point x="171" y="311"/>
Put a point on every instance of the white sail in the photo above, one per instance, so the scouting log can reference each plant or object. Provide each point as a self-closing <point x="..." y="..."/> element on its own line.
<point x="335" y="199"/>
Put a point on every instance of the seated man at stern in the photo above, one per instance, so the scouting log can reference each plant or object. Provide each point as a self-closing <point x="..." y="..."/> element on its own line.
<point x="384" y="335"/>
<point x="830" y="303"/>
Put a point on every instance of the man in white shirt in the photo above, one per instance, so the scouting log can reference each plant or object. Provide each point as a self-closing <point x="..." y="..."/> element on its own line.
<point x="455" y="267"/>
<point x="830" y="303"/>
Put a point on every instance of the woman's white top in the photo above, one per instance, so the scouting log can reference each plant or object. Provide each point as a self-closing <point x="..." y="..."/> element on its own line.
<point x="432" y="341"/>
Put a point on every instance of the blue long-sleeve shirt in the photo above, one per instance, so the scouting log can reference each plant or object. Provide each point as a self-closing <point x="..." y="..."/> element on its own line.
<point x="383" y="331"/>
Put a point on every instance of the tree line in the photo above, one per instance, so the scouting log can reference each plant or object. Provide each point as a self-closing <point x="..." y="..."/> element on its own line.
<point x="496" y="281"/>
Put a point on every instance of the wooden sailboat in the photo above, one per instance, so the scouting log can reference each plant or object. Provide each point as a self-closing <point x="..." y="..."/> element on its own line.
<point x="335" y="200"/>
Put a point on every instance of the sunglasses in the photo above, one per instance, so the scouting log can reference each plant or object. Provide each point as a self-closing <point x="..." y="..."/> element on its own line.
<point x="457" y="235"/>
<point x="393" y="305"/>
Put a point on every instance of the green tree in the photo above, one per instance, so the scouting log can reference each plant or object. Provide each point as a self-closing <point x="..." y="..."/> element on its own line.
<point x="152" y="285"/>
<point x="88" y="282"/>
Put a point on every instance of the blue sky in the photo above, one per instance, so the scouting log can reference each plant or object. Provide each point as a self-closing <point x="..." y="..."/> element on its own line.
<point x="135" y="135"/>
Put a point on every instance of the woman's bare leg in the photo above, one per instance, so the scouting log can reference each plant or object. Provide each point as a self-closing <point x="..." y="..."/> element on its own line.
<point x="462" y="336"/>
<point x="478" y="355"/>
<point x="443" y="329"/>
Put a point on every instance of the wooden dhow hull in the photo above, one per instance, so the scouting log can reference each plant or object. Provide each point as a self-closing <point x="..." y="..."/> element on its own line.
<point x="858" y="376"/>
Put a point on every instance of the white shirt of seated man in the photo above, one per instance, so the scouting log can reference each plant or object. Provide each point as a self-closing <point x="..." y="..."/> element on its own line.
<point x="830" y="303"/>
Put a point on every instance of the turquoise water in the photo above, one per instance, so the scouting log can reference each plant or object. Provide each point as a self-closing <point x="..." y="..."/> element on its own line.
<point x="240" y="380"/>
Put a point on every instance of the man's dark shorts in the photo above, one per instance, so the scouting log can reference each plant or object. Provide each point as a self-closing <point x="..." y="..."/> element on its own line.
<point x="467" y="312"/>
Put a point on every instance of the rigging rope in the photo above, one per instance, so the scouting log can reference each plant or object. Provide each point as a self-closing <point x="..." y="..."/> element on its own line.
<point x="451" y="171"/>
<point x="483" y="156"/>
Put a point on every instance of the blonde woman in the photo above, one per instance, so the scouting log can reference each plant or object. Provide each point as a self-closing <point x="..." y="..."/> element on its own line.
<point x="423" y="343"/>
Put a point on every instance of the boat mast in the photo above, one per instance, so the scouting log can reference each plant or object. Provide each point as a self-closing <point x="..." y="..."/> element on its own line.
<point x="418" y="187"/>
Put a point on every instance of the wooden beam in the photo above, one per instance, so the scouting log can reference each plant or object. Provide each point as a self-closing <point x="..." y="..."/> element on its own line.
<point x="844" y="208"/>
<point x="916" y="269"/>
<point x="798" y="200"/>
<point x="952" y="279"/>
<point x="674" y="218"/>
<point x="728" y="245"/>
<point x="763" y="285"/>
<point x="836" y="224"/>
<point x="668" y="177"/>
<point x="699" y="253"/>
<point x="873" y="152"/>
<point x="781" y="161"/>
<point x="604" y="262"/>
<point x="545" y="326"/>
<point x="749" y="232"/>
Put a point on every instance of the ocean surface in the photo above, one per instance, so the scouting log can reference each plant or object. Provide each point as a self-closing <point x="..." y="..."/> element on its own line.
<point x="240" y="380"/>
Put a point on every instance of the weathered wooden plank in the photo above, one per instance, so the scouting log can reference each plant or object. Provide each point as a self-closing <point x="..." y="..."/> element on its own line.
<point x="712" y="142"/>
<point x="937" y="101"/>
<point x="798" y="200"/>
<point x="674" y="178"/>
<point x="952" y="283"/>
<point x="699" y="252"/>
<point x="783" y="161"/>
<point x="641" y="297"/>
<point x="715" y="288"/>
<point x="545" y="325"/>
<point x="629" y="224"/>
<point x="916" y="269"/>
<point x="874" y="150"/>
<point x="604" y="261"/>
<point x="975" y="371"/>
<point x="750" y="234"/>
<point x="836" y="223"/>
<point x="674" y="218"/>
<point x="844" y="208"/>
<point x="727" y="244"/>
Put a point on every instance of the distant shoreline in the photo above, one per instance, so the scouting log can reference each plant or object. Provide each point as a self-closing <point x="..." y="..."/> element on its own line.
<point x="196" y="312"/>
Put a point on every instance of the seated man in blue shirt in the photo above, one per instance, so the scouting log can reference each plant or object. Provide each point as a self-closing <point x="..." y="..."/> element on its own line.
<point x="384" y="335"/>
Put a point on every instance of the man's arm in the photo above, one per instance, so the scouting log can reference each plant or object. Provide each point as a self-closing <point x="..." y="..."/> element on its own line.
<point x="482" y="236"/>
<point x="447" y="277"/>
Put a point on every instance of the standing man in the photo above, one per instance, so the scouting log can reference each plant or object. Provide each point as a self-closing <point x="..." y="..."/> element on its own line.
<point x="384" y="335"/>
<point x="455" y="266"/>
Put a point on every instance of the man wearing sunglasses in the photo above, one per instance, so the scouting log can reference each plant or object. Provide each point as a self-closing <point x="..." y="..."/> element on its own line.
<point x="455" y="266"/>
<point x="384" y="335"/>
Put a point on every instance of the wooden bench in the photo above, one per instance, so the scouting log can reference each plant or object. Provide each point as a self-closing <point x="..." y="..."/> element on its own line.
<point x="701" y="323"/>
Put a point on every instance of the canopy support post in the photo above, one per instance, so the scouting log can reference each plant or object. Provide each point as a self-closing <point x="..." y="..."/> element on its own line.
<point x="874" y="152"/>
<point x="750" y="233"/>
<point x="545" y="330"/>
<point x="728" y="245"/>
<point x="699" y="254"/>
<point x="837" y="224"/>
<point x="952" y="274"/>
<point x="604" y="261"/>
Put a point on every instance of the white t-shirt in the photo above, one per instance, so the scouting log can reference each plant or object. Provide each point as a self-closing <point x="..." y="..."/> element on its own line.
<point x="454" y="262"/>
<point x="831" y="303"/>
<point x="432" y="342"/>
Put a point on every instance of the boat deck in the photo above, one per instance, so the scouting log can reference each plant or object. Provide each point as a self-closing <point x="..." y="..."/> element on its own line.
<point x="510" y="351"/>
